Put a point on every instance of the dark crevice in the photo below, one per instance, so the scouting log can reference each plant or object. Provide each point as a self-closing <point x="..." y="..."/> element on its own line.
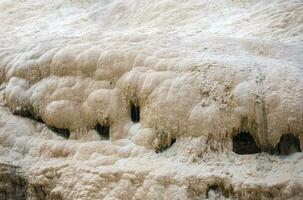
<point x="60" y="131"/>
<point x="217" y="190"/>
<point x="165" y="141"/>
<point x="213" y="191"/>
<point x="27" y="113"/>
<point x="104" y="131"/>
<point x="39" y="192"/>
<point x="173" y="140"/>
<point x="288" y="144"/>
<point x="270" y="150"/>
<point x="244" y="143"/>
<point x="135" y="113"/>
<point x="163" y="147"/>
<point x="24" y="112"/>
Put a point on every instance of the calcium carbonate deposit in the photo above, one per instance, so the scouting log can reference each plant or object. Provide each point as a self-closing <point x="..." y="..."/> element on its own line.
<point x="151" y="99"/>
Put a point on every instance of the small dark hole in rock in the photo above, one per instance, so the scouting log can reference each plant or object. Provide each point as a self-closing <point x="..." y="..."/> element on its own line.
<point x="213" y="191"/>
<point x="60" y="131"/>
<point x="173" y="140"/>
<point x="288" y="144"/>
<point x="218" y="191"/>
<point x="244" y="143"/>
<point x="165" y="144"/>
<point x="270" y="149"/>
<point x="135" y="113"/>
<point x="103" y="130"/>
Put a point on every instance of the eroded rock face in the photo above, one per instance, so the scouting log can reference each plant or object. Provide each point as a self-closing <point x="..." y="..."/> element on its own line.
<point x="13" y="184"/>
<point x="144" y="99"/>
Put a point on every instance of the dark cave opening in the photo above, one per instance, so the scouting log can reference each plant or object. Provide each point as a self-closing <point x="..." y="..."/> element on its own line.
<point x="135" y="113"/>
<point x="60" y="131"/>
<point x="288" y="144"/>
<point x="244" y="143"/>
<point x="103" y="130"/>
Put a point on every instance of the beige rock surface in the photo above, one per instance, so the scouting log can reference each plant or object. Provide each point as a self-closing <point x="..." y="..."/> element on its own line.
<point x="201" y="71"/>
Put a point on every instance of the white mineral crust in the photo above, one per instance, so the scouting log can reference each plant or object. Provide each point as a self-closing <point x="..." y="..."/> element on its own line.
<point x="201" y="72"/>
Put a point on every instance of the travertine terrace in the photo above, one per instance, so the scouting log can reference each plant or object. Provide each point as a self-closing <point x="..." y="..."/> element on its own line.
<point x="143" y="99"/>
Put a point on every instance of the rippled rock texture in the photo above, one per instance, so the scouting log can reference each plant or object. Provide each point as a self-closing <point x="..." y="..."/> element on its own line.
<point x="144" y="99"/>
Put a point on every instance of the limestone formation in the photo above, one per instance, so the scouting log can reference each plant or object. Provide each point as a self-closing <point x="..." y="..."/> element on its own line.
<point x="142" y="99"/>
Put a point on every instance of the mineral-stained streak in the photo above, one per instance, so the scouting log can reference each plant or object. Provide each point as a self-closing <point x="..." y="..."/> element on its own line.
<point x="144" y="99"/>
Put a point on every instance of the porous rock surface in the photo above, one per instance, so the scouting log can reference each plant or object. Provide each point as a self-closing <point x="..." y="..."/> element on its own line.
<point x="201" y="71"/>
